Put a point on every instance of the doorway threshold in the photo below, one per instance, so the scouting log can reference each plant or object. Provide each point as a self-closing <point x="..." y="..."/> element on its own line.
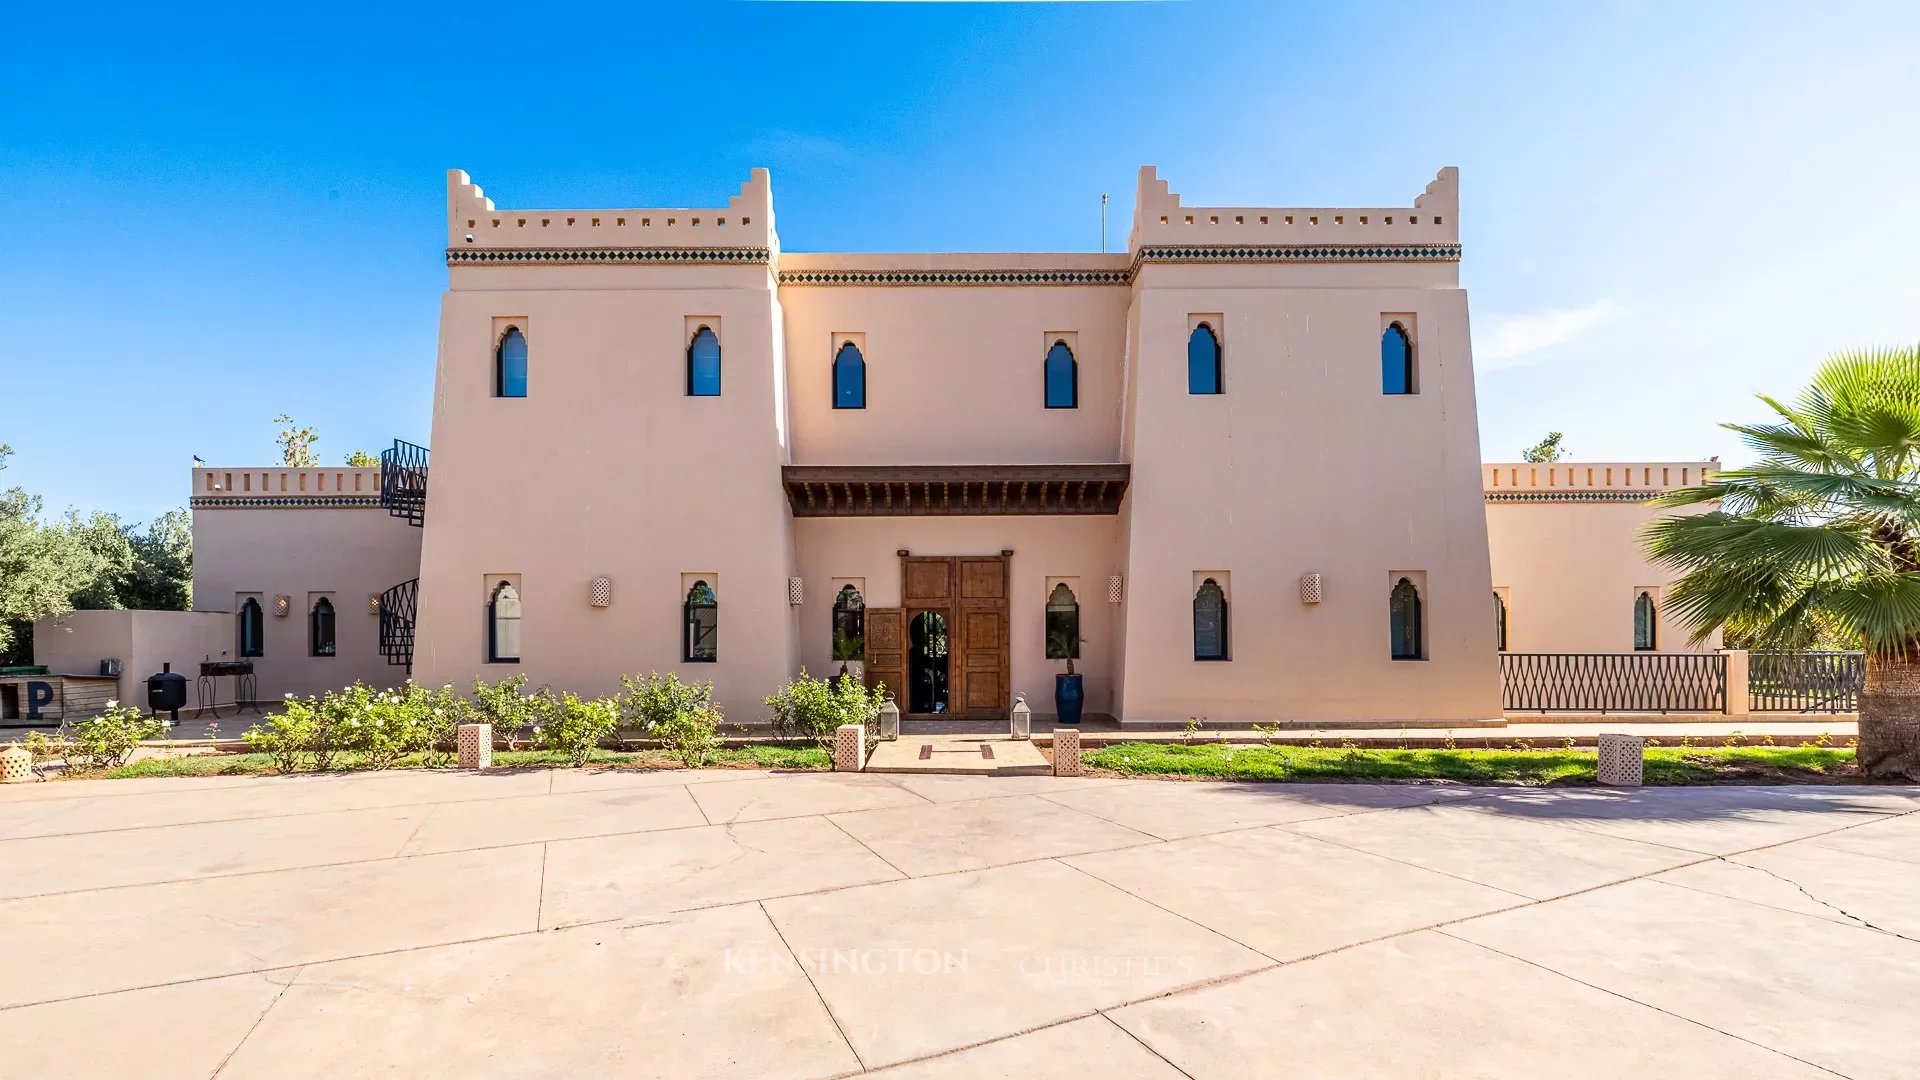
<point x="969" y="755"/>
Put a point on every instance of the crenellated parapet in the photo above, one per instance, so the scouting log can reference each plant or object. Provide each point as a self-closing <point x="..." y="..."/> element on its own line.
<point x="479" y="233"/>
<point x="1590" y="481"/>
<point x="1164" y="229"/>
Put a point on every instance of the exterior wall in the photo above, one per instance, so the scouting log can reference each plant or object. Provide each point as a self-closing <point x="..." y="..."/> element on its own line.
<point x="300" y="533"/>
<point x="1565" y="543"/>
<point x="143" y="642"/>
<point x="833" y="550"/>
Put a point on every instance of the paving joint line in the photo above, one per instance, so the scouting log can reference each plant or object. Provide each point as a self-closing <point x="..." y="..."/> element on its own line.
<point x="815" y="987"/>
<point x="1148" y="1047"/>
<point x="257" y="1021"/>
<point x="828" y="818"/>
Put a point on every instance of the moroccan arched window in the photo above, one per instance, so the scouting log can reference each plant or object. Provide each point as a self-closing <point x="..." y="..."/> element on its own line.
<point x="510" y="365"/>
<point x="701" y="639"/>
<point x="1644" y="623"/>
<point x="1210" y="621"/>
<point x="849" y="378"/>
<point x="1063" y="378"/>
<point x="849" y="624"/>
<point x="503" y="625"/>
<point x="320" y="628"/>
<point x="1500" y="622"/>
<point x="1203" y="361"/>
<point x="703" y="364"/>
<point x="1063" y="624"/>
<point x="252" y="629"/>
<point x="1396" y="361"/>
<point x="1404" y="621"/>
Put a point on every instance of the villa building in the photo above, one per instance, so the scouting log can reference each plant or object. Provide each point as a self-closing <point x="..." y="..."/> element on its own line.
<point x="1233" y="472"/>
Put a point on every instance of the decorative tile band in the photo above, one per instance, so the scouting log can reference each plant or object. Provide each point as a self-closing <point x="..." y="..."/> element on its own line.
<point x="955" y="277"/>
<point x="322" y="502"/>
<point x="606" y="256"/>
<point x="1284" y="253"/>
<point x="1570" y="496"/>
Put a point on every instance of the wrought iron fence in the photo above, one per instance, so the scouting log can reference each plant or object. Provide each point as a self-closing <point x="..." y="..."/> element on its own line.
<point x="1613" y="682"/>
<point x="1805" y="682"/>
<point x="398" y="606"/>
<point x="403" y="481"/>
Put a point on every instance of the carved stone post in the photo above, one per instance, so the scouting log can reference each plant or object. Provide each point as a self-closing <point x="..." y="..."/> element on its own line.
<point x="1622" y="760"/>
<point x="849" y="748"/>
<point x="1066" y="752"/>
<point x="475" y="744"/>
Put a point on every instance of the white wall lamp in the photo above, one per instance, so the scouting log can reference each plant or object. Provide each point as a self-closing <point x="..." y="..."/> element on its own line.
<point x="1311" y="591"/>
<point x="600" y="592"/>
<point x="796" y="591"/>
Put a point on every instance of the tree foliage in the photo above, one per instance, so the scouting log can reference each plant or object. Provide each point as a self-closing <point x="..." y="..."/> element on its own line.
<point x="1547" y="449"/>
<point x="296" y="443"/>
<point x="360" y="459"/>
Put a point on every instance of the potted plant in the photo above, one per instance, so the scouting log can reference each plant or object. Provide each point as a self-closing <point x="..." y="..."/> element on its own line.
<point x="849" y="652"/>
<point x="1068" y="693"/>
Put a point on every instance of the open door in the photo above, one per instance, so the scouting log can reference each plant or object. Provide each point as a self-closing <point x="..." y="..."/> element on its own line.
<point x="887" y="652"/>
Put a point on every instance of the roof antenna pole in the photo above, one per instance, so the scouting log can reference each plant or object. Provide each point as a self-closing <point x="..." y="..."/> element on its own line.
<point x="1103" y="223"/>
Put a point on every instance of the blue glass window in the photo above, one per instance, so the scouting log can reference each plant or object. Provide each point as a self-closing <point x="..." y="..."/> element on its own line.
<point x="320" y="628"/>
<point x="849" y="378"/>
<point x="1643" y="623"/>
<point x="510" y="365"/>
<point x="1203" y="361"/>
<point x="701" y="641"/>
<point x="1063" y="378"/>
<point x="703" y="364"/>
<point x="1404" y="622"/>
<point x="252" y="627"/>
<point x="1210" y="621"/>
<point x="1396" y="361"/>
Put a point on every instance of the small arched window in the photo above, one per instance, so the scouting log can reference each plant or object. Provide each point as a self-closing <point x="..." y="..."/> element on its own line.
<point x="1203" y="361"/>
<point x="1062" y="377"/>
<point x="1396" y="361"/>
<point x="1404" y="621"/>
<point x="701" y="640"/>
<point x="1063" y="623"/>
<point x="252" y="629"/>
<point x="849" y="624"/>
<point x="1500" y="622"/>
<point x="320" y="628"/>
<point x="1645" y="623"/>
<point x="703" y="364"/>
<point x="1210" y="621"/>
<point x="510" y="365"/>
<point x="503" y="625"/>
<point x="849" y="378"/>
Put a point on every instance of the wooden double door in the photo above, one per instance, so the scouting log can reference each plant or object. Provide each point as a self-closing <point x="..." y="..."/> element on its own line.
<point x="943" y="652"/>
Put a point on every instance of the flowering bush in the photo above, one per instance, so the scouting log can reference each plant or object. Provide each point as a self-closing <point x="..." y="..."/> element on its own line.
<point x="287" y="734"/>
<point x="573" y="725"/>
<point x="812" y="708"/>
<point x="681" y="715"/>
<point x="507" y="707"/>
<point x="107" y="741"/>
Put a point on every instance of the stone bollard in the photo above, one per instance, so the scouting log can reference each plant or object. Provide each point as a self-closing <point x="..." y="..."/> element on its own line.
<point x="889" y="722"/>
<point x="1622" y="760"/>
<point x="849" y="748"/>
<point x="16" y="765"/>
<point x="476" y="746"/>
<point x="1066" y="752"/>
<point x="1021" y="718"/>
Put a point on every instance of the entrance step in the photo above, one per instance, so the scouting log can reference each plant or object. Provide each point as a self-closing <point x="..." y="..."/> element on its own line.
<point x="974" y="755"/>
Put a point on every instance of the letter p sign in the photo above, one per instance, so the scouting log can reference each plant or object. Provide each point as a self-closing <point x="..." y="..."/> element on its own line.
<point x="38" y="695"/>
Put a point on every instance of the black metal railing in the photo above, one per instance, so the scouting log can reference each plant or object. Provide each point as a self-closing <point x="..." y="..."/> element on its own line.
<point x="403" y="481"/>
<point x="1613" y="682"/>
<point x="1805" y="682"/>
<point x="398" y="606"/>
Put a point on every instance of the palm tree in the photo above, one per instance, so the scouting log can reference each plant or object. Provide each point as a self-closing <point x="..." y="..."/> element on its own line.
<point x="1823" y="529"/>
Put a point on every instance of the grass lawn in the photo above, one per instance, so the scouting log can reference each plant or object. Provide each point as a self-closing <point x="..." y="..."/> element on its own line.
<point x="743" y="757"/>
<point x="1665" y="765"/>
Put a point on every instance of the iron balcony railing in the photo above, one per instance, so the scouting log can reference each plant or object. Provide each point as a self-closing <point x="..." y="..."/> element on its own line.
<point x="403" y="481"/>
<point x="1613" y="682"/>
<point x="398" y="608"/>
<point x="1805" y="682"/>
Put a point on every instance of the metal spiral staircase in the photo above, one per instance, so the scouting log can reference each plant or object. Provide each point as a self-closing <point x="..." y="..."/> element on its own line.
<point x="403" y="491"/>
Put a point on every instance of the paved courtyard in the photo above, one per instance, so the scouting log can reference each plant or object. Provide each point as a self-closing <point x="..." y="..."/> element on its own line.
<point x="724" y="923"/>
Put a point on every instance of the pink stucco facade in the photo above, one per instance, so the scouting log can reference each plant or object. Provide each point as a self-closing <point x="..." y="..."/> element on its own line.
<point x="1300" y="489"/>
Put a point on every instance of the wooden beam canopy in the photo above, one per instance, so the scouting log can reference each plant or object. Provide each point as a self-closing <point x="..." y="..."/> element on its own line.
<point x="953" y="490"/>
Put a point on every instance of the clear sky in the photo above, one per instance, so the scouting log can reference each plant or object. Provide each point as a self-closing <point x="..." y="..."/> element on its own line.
<point x="212" y="216"/>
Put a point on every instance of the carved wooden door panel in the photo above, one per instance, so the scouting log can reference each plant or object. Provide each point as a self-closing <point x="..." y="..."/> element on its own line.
<point x="887" y="652"/>
<point x="980" y="651"/>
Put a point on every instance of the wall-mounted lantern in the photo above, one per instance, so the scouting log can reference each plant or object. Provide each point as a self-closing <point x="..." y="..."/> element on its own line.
<point x="1310" y="589"/>
<point x="600" y="592"/>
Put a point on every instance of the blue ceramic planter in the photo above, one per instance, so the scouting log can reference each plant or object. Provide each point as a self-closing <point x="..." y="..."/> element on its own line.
<point x="1068" y="696"/>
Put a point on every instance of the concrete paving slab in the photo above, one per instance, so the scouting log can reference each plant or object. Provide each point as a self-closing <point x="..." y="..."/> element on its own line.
<point x="711" y="994"/>
<point x="645" y="875"/>
<point x="1715" y="821"/>
<point x="178" y="1032"/>
<point x="1857" y="890"/>
<point x="568" y="781"/>
<point x="978" y="833"/>
<point x="1091" y="1049"/>
<point x="1532" y="858"/>
<point x="455" y="826"/>
<point x="1800" y="985"/>
<point x="118" y="939"/>
<point x="912" y="968"/>
<point x="799" y="794"/>
<point x="955" y="788"/>
<point x="52" y="864"/>
<point x="1895" y="838"/>
<point x="1429" y="1006"/>
<point x="96" y="789"/>
<point x="1290" y="896"/>
<point x="1179" y="809"/>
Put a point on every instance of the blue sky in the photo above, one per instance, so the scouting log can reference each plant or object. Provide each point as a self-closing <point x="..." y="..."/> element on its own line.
<point x="217" y="215"/>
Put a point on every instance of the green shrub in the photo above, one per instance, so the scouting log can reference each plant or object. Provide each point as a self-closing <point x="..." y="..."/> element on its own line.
<point x="692" y="735"/>
<point x="286" y="735"/>
<point x="810" y="708"/>
<point x="573" y="725"/>
<point x="506" y="707"/>
<point x="681" y="715"/>
<point x="108" y="740"/>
